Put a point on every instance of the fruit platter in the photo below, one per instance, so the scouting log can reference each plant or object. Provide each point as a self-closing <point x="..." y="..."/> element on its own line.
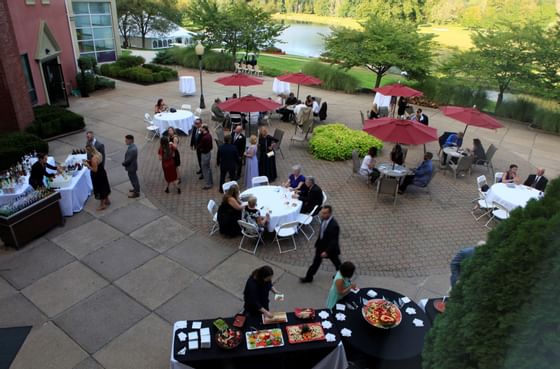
<point x="228" y="339"/>
<point x="382" y="314"/>
<point x="305" y="333"/>
<point x="264" y="339"/>
<point x="304" y="313"/>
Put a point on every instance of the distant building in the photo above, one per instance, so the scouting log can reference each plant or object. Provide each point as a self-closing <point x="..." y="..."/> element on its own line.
<point x="178" y="36"/>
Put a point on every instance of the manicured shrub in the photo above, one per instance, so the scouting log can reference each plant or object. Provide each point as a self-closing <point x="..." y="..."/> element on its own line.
<point x="15" y="145"/>
<point x="52" y="121"/>
<point x="127" y="61"/>
<point x="102" y="83"/>
<point x="272" y="72"/>
<point x="449" y="92"/>
<point x="186" y="56"/>
<point x="503" y="312"/>
<point x="86" y="81"/>
<point x="336" y="141"/>
<point x="333" y="77"/>
<point x="141" y="73"/>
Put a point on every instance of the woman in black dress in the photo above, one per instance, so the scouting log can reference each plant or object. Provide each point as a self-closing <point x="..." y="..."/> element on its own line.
<point x="257" y="289"/>
<point x="403" y="103"/>
<point x="397" y="155"/>
<point x="229" y="212"/>
<point x="99" y="179"/>
<point x="267" y="163"/>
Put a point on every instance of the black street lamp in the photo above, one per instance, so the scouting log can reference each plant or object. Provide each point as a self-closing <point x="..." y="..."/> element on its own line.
<point x="199" y="50"/>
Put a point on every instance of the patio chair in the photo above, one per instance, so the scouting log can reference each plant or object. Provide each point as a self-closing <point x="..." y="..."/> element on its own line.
<point x="259" y="181"/>
<point x="301" y="132"/>
<point x="387" y="186"/>
<point x="489" y="155"/>
<point x="218" y="122"/>
<point x="362" y="118"/>
<point x="464" y="164"/>
<point x="306" y="220"/>
<point x="498" y="212"/>
<point x="481" y="203"/>
<point x="237" y="67"/>
<point x="284" y="231"/>
<point x="498" y="177"/>
<point x="250" y="231"/>
<point x="316" y="216"/>
<point x="235" y="119"/>
<point x="278" y="136"/>
<point x="186" y="107"/>
<point x="214" y="215"/>
<point x="304" y="115"/>
<point x="356" y="164"/>
<point x="257" y="71"/>
<point x="227" y="185"/>
<point x="427" y="187"/>
<point x="152" y="130"/>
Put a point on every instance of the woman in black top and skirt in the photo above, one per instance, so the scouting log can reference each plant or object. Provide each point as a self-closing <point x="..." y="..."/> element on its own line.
<point x="267" y="164"/>
<point x="257" y="289"/>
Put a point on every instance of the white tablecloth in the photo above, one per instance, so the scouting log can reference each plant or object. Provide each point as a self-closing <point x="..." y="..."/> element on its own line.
<point x="280" y="88"/>
<point x="187" y="85"/>
<point x="391" y="170"/>
<point x="511" y="196"/>
<point x="277" y="201"/>
<point x="181" y="119"/>
<point x="381" y="100"/>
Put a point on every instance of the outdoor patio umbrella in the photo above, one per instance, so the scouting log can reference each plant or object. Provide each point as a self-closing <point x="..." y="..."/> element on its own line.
<point x="249" y="104"/>
<point x="239" y="80"/>
<point x="471" y="117"/>
<point x="300" y="79"/>
<point x="396" y="89"/>
<point x="400" y="131"/>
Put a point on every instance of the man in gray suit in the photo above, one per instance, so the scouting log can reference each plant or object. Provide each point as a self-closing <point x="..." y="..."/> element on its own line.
<point x="130" y="163"/>
<point x="97" y="144"/>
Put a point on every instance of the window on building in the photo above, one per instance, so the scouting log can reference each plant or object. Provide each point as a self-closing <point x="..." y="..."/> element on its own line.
<point x="29" y="79"/>
<point x="179" y="40"/>
<point x="29" y="2"/>
<point x="94" y="30"/>
<point x="159" y="43"/>
<point x="154" y="44"/>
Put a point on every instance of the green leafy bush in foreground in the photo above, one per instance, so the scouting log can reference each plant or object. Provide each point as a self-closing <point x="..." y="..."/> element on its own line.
<point x="334" y="78"/>
<point x="504" y="311"/>
<point x="15" y="145"/>
<point x="336" y="141"/>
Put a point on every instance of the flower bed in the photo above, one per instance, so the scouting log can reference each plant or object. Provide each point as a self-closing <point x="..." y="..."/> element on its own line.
<point x="336" y="141"/>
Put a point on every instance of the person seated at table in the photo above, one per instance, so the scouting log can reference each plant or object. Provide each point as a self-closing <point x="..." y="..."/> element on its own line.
<point x="477" y="151"/>
<point x="397" y="155"/>
<point x="256" y="291"/>
<point x="308" y="101"/>
<point x="341" y="284"/>
<point x="288" y="109"/>
<point x="160" y="107"/>
<point x="229" y="212"/>
<point x="368" y="165"/>
<point x="421" y="176"/>
<point x="39" y="171"/>
<point x="253" y="215"/>
<point x="315" y="107"/>
<point x="218" y="113"/>
<point x="373" y="114"/>
<point x="537" y="181"/>
<point x="295" y="180"/>
<point x="420" y="117"/>
<point x="454" y="139"/>
<point x="510" y="175"/>
<point x="313" y="195"/>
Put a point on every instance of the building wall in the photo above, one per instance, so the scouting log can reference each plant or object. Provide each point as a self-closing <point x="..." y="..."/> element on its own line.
<point x="26" y="20"/>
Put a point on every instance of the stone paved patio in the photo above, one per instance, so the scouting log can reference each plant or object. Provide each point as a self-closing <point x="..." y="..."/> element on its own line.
<point x="104" y="290"/>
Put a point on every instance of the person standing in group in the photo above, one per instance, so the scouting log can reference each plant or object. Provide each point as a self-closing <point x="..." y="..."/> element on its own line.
<point x="91" y="140"/>
<point x="196" y="133"/>
<point x="327" y="244"/>
<point x="342" y="284"/>
<point x="227" y="159"/>
<point x="267" y="158"/>
<point x="392" y="106"/>
<point x="166" y="153"/>
<point x="205" y="147"/>
<point x="240" y="142"/>
<point x="403" y="103"/>
<point x="174" y="137"/>
<point x="130" y="164"/>
<point x="251" y="162"/>
<point x="99" y="179"/>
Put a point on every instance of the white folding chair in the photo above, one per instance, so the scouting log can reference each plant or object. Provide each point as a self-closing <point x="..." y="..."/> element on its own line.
<point x="305" y="220"/>
<point x="259" y="181"/>
<point x="186" y="107"/>
<point x="214" y="215"/>
<point x="481" y="203"/>
<point x="316" y="217"/>
<point x="251" y="231"/>
<point x="499" y="212"/>
<point x="498" y="177"/>
<point x="284" y="231"/>
<point x="152" y="130"/>
<point x="227" y="185"/>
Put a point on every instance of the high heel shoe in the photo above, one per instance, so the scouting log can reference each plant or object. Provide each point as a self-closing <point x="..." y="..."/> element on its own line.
<point x="179" y="191"/>
<point x="166" y="189"/>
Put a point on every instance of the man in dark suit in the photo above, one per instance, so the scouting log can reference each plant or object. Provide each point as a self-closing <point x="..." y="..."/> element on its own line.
<point x="537" y="181"/>
<point x="227" y="159"/>
<point x="39" y="171"/>
<point x="326" y="245"/>
<point x="240" y="142"/>
<point x="311" y="195"/>
<point x="91" y="140"/>
<point x="130" y="164"/>
<point x="196" y="133"/>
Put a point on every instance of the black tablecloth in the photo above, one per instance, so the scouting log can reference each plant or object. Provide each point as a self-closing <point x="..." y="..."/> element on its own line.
<point x="431" y="311"/>
<point x="300" y="356"/>
<point x="399" y="347"/>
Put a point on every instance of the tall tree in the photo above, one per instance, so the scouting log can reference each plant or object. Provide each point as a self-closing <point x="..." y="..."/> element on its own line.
<point x="126" y="26"/>
<point x="380" y="45"/>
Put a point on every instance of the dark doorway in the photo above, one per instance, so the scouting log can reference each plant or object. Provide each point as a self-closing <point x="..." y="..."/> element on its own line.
<point x="52" y="71"/>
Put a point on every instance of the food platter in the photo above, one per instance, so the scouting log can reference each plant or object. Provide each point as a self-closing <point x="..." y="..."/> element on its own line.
<point x="382" y="314"/>
<point x="304" y="313"/>
<point x="264" y="339"/>
<point x="305" y="333"/>
<point x="228" y="339"/>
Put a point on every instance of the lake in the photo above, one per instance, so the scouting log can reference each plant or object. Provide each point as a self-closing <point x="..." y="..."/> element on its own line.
<point x="303" y="39"/>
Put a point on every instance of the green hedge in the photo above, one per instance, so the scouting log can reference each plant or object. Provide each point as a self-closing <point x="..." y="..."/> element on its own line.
<point x="334" y="78"/>
<point x="448" y="92"/>
<point x="15" y="145"/>
<point x="186" y="56"/>
<point x="52" y="121"/>
<point x="132" y="69"/>
<point x="504" y="311"/>
<point x="336" y="141"/>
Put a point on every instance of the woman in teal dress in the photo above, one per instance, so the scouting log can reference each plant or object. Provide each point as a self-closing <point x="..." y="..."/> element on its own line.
<point x="342" y="284"/>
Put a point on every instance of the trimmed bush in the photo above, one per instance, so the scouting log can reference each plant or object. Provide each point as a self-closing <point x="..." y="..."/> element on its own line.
<point x="102" y="83"/>
<point x="211" y="61"/>
<point x="15" y="145"/>
<point x="336" y="141"/>
<point x="272" y="72"/>
<point x="503" y="312"/>
<point x="334" y="78"/>
<point x="52" y="121"/>
<point x="132" y="69"/>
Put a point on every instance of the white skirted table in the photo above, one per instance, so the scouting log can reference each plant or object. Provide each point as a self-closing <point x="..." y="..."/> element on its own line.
<point x="181" y="119"/>
<point x="280" y="88"/>
<point x="187" y="85"/>
<point x="510" y="195"/>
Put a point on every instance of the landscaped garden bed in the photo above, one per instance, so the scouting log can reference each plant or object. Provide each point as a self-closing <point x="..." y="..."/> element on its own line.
<point x="133" y="69"/>
<point x="336" y="142"/>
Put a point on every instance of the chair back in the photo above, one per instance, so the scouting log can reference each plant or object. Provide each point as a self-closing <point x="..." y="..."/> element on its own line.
<point x="324" y="198"/>
<point x="465" y="163"/>
<point x="235" y="118"/>
<point x="490" y="152"/>
<point x="312" y="212"/>
<point x="227" y="185"/>
<point x="186" y="107"/>
<point x="362" y="117"/>
<point x="303" y="115"/>
<point x="278" y="136"/>
<point x="211" y="207"/>
<point x="481" y="181"/>
<point x="355" y="162"/>
<point x="248" y="229"/>
<point x="323" y="111"/>
<point x="148" y="118"/>
<point x="498" y="177"/>
<point x="259" y="181"/>
<point x="290" y="225"/>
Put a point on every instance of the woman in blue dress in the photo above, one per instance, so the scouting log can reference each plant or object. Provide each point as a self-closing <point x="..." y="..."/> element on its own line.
<point x="342" y="284"/>
<point x="251" y="162"/>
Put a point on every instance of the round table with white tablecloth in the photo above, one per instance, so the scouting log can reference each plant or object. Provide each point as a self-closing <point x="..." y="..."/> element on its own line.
<point x="280" y="88"/>
<point x="181" y="119"/>
<point x="187" y="85"/>
<point x="392" y="170"/>
<point x="277" y="201"/>
<point x="510" y="195"/>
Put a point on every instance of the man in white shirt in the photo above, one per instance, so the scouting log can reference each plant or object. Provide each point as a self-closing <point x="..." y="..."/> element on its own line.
<point x="315" y="107"/>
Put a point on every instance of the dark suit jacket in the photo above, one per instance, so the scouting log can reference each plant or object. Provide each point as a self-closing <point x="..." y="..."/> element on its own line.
<point x="311" y="198"/>
<point x="540" y="185"/>
<point x="130" y="162"/>
<point x="39" y="171"/>
<point x="240" y="143"/>
<point x="195" y="137"/>
<point x="227" y="156"/>
<point x="329" y="242"/>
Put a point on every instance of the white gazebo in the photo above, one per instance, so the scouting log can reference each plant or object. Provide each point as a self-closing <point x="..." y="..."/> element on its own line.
<point x="178" y="36"/>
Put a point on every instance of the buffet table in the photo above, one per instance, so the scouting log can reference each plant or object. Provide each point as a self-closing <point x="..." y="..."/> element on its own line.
<point x="187" y="85"/>
<point x="510" y="195"/>
<point x="307" y="355"/>
<point x="277" y="201"/>
<point x="280" y="87"/>
<point x="181" y="119"/>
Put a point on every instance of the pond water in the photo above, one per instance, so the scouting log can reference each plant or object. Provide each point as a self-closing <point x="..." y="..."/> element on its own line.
<point x="303" y="39"/>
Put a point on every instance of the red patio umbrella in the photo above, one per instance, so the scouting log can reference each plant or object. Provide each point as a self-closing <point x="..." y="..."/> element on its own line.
<point x="471" y="117"/>
<point x="300" y="79"/>
<point x="248" y="104"/>
<point x="400" y="131"/>
<point x="239" y="80"/>
<point x="396" y="89"/>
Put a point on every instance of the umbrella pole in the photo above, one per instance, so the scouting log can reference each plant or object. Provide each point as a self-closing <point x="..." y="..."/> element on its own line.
<point x="297" y="92"/>
<point x="239" y="92"/>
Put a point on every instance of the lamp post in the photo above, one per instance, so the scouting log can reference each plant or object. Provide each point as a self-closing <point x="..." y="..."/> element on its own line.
<point x="199" y="50"/>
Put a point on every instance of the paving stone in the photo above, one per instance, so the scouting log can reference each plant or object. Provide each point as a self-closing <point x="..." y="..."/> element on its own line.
<point x="200" y="253"/>
<point x="29" y="265"/>
<point x="16" y="311"/>
<point x="118" y="201"/>
<point x="117" y="175"/>
<point x="72" y="222"/>
<point x="147" y="345"/>
<point x="88" y="363"/>
<point x="5" y="288"/>
<point x="101" y="317"/>
<point x="118" y="257"/>
<point x="131" y="217"/>
<point x="59" y="290"/>
<point x="87" y="238"/>
<point x="439" y="284"/>
<point x="162" y="234"/>
<point x="156" y="281"/>
<point x="48" y="347"/>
